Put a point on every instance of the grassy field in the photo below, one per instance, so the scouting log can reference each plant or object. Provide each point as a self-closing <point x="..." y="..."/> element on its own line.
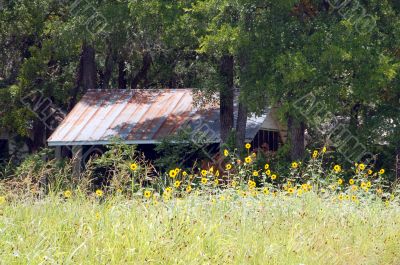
<point x="198" y="230"/>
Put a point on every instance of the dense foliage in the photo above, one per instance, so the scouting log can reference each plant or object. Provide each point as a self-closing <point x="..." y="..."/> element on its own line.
<point x="276" y="52"/>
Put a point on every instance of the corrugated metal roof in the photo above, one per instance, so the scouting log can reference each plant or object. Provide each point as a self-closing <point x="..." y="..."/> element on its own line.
<point x="140" y="117"/>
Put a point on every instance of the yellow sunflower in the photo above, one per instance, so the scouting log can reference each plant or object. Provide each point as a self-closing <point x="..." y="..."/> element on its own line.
<point x="337" y="168"/>
<point x="204" y="180"/>
<point x="248" y="160"/>
<point x="147" y="194"/>
<point x="133" y="166"/>
<point x="172" y="173"/>
<point x="228" y="166"/>
<point x="177" y="184"/>
<point x="99" y="193"/>
<point x="273" y="177"/>
<point x="248" y="146"/>
<point x="67" y="194"/>
<point x="295" y="165"/>
<point x="226" y="152"/>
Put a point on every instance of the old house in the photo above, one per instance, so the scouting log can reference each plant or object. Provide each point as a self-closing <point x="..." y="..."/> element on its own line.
<point x="145" y="117"/>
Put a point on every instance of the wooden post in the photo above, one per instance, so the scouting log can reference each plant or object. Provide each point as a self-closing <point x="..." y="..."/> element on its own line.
<point x="57" y="153"/>
<point x="76" y="161"/>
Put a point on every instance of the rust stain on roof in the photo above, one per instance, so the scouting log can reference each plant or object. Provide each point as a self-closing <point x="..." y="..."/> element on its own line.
<point x="138" y="116"/>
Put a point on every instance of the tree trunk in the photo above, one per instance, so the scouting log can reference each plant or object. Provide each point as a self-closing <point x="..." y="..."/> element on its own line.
<point x="121" y="75"/>
<point x="86" y="73"/>
<point x="88" y="63"/>
<point x="296" y="136"/>
<point x="241" y="126"/>
<point x="108" y="67"/>
<point x="142" y="74"/>
<point x="38" y="136"/>
<point x="226" y="97"/>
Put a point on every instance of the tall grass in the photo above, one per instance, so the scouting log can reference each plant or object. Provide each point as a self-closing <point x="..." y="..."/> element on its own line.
<point x="199" y="230"/>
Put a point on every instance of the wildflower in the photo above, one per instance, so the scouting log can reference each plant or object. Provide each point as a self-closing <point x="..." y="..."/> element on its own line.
<point x="354" y="198"/>
<point x="234" y="183"/>
<point x="387" y="203"/>
<point x="268" y="172"/>
<point x="247" y="160"/>
<point x="324" y="150"/>
<point x="266" y="166"/>
<point x="366" y="189"/>
<point x="211" y="170"/>
<point x="370" y="172"/>
<point x="184" y="173"/>
<point x="204" y="181"/>
<point x="273" y="177"/>
<point x="304" y="187"/>
<point x="67" y="194"/>
<point x="147" y="194"/>
<point x="188" y="189"/>
<point x="382" y="171"/>
<point x="340" y="197"/>
<point x="315" y="154"/>
<point x="251" y="184"/>
<point x="347" y="197"/>
<point x="379" y="191"/>
<point x="363" y="185"/>
<point x="290" y="190"/>
<point x="248" y="146"/>
<point x="228" y="166"/>
<point x="172" y="173"/>
<point x="168" y="190"/>
<point x="309" y="186"/>
<point x="340" y="181"/>
<point x="337" y="168"/>
<point x="289" y="183"/>
<point x="99" y="193"/>
<point x="351" y="181"/>
<point x="361" y="167"/>
<point x="369" y="184"/>
<point x="177" y="184"/>
<point x="253" y="155"/>
<point x="255" y="173"/>
<point x="266" y="191"/>
<point x="177" y="170"/>
<point x="299" y="192"/>
<point x="295" y="165"/>
<point x="226" y="152"/>
<point x="2" y="200"/>
<point x="216" y="182"/>
<point x="204" y="172"/>
<point x="354" y="188"/>
<point x="217" y="173"/>
<point x="134" y="166"/>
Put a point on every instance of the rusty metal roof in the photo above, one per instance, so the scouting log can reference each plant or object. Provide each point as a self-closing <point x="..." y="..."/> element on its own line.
<point x="140" y="117"/>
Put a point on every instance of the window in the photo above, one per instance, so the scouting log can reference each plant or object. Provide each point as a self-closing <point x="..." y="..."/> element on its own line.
<point x="4" y="149"/>
<point x="267" y="140"/>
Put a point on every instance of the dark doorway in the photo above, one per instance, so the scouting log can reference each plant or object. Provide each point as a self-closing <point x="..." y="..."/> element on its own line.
<point x="4" y="150"/>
